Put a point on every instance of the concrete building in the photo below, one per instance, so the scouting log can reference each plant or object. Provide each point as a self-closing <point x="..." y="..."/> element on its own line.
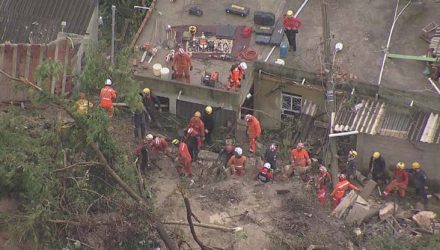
<point x="399" y="117"/>
<point x="33" y="31"/>
<point x="403" y="126"/>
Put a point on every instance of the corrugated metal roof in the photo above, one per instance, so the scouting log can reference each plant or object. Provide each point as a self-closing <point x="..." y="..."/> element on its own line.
<point x="39" y="21"/>
<point x="374" y="117"/>
<point x="309" y="108"/>
<point x="365" y="117"/>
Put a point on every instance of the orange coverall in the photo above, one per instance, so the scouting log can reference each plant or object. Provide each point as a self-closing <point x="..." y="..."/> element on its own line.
<point x="299" y="157"/>
<point x="235" y="78"/>
<point x="107" y="95"/>
<point x="157" y="146"/>
<point x="254" y="131"/>
<point x="323" y="180"/>
<point x="197" y="124"/>
<point x="182" y="64"/>
<point x="184" y="159"/>
<point x="339" y="191"/>
<point x="399" y="182"/>
<point x="236" y="165"/>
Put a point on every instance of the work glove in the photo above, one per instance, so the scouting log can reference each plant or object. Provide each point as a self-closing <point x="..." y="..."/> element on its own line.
<point x="244" y="77"/>
<point x="191" y="67"/>
<point x="206" y="131"/>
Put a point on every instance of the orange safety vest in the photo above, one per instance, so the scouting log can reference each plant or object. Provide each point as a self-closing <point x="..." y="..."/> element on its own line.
<point x="107" y="95"/>
<point x="341" y="187"/>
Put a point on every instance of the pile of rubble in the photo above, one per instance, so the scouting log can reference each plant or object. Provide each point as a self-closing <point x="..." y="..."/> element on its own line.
<point x="355" y="209"/>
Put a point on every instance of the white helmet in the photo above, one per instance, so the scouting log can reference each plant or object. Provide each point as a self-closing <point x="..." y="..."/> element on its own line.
<point x="243" y="65"/>
<point x="238" y="150"/>
<point x="108" y="82"/>
<point x="266" y="165"/>
<point x="322" y="168"/>
<point x="149" y="137"/>
<point x="248" y="117"/>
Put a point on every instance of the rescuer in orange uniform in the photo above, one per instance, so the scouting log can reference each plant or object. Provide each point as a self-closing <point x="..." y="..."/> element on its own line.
<point x="340" y="188"/>
<point x="238" y="72"/>
<point x="183" y="158"/>
<point x="197" y="124"/>
<point x="182" y="64"/>
<point x="236" y="163"/>
<point x="322" y="182"/>
<point x="107" y="95"/>
<point x="400" y="181"/>
<point x="300" y="161"/>
<point x="253" y="131"/>
<point x="157" y="146"/>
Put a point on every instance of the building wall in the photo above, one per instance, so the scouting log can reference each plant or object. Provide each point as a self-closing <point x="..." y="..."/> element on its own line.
<point x="191" y="93"/>
<point x="395" y="150"/>
<point x="21" y="60"/>
<point x="267" y="98"/>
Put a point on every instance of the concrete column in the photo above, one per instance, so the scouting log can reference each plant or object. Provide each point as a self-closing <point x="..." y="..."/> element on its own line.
<point x="173" y="105"/>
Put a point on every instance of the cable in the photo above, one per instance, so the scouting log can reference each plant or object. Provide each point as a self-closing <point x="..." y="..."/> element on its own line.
<point x="248" y="54"/>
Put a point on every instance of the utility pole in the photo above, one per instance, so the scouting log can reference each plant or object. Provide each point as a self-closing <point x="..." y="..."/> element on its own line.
<point x="329" y="92"/>
<point x="113" y="34"/>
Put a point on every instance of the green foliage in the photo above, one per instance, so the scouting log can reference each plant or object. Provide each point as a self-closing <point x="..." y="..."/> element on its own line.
<point x="97" y="68"/>
<point x="26" y="159"/>
<point x="434" y="242"/>
<point x="124" y="11"/>
<point x="390" y="242"/>
<point x="47" y="72"/>
<point x="95" y="71"/>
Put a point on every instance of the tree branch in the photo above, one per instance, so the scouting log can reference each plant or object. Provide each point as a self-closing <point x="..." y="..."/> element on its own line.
<point x="209" y="226"/>
<point x="78" y="164"/>
<point x="189" y="215"/>
<point x="151" y="217"/>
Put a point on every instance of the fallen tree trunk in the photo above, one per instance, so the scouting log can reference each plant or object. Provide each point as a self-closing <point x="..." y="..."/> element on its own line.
<point x="151" y="217"/>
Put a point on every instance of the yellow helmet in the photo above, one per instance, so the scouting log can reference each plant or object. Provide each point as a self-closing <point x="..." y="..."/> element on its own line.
<point x="415" y="165"/>
<point x="146" y="91"/>
<point x="376" y="155"/>
<point x="290" y="13"/>
<point x="208" y="109"/>
<point x="197" y="114"/>
<point x="400" y="165"/>
<point x="353" y="153"/>
<point x="175" y="142"/>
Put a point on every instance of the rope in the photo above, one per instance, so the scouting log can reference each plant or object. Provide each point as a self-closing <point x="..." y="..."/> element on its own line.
<point x="248" y="54"/>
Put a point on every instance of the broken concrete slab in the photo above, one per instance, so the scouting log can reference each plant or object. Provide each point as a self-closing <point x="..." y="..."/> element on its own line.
<point x="424" y="219"/>
<point x="359" y="211"/>
<point x="368" y="189"/>
<point x="388" y="210"/>
<point x="346" y="202"/>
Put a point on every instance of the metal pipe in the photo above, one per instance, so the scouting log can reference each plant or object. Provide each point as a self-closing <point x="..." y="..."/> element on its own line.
<point x="396" y="16"/>
<point x="301" y="7"/>
<point x="113" y="34"/>
<point x="434" y="85"/>
<point x="343" y="134"/>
